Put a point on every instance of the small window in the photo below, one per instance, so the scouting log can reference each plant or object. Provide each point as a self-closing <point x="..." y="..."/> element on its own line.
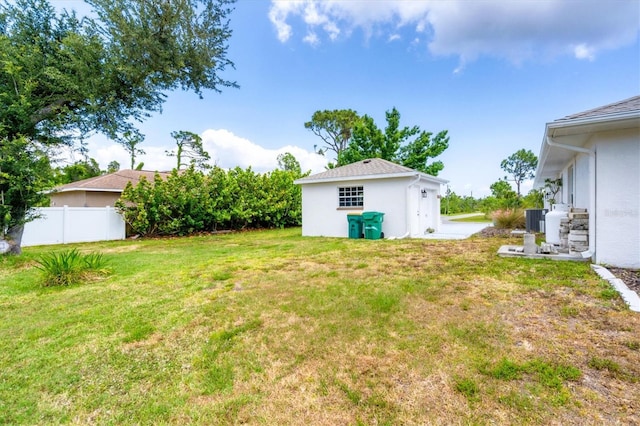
<point x="351" y="196"/>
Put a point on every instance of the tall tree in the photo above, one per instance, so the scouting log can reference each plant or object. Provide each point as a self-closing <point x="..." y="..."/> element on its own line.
<point x="79" y="170"/>
<point x="62" y="77"/>
<point x="130" y="141"/>
<point x="395" y="144"/>
<point x="288" y="162"/>
<point x="502" y="196"/>
<point x="521" y="165"/>
<point x="113" y="167"/>
<point x="189" y="146"/>
<point x="334" y="127"/>
<point x="24" y="171"/>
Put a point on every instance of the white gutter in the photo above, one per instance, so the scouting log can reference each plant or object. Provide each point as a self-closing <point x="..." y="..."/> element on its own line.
<point x="592" y="187"/>
<point x="551" y="142"/>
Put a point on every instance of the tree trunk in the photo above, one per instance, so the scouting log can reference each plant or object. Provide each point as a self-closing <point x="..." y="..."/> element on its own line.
<point x="14" y="238"/>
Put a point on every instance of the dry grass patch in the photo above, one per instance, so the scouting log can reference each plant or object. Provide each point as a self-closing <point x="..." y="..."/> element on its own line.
<point x="272" y="328"/>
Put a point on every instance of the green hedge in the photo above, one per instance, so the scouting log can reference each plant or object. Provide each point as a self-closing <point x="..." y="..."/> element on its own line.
<point x="190" y="201"/>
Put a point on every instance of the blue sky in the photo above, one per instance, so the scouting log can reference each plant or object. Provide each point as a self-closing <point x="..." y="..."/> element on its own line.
<point x="491" y="72"/>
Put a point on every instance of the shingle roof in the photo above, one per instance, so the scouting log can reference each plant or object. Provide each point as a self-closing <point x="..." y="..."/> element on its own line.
<point x="626" y="105"/>
<point x="111" y="182"/>
<point x="372" y="167"/>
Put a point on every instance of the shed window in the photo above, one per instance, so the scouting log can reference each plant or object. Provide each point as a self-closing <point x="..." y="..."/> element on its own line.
<point x="351" y="196"/>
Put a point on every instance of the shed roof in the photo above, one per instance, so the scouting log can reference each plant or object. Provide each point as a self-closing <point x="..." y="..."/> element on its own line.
<point x="112" y="182"/>
<point x="371" y="168"/>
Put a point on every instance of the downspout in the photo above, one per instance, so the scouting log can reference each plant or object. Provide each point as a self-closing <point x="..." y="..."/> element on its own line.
<point x="408" y="215"/>
<point x="592" y="188"/>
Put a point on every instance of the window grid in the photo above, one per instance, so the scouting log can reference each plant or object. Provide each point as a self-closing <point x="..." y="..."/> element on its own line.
<point x="351" y="196"/>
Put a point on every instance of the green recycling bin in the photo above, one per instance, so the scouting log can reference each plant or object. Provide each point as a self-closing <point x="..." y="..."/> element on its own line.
<point x="373" y="225"/>
<point x="355" y="225"/>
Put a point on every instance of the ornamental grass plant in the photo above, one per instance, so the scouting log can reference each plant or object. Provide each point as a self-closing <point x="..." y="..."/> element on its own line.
<point x="509" y="219"/>
<point x="70" y="267"/>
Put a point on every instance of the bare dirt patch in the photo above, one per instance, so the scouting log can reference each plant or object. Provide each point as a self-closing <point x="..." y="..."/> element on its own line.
<point x="629" y="276"/>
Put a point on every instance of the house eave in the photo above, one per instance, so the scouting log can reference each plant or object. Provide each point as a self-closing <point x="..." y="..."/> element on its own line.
<point x="424" y="176"/>
<point x="574" y="133"/>
<point x="77" y="189"/>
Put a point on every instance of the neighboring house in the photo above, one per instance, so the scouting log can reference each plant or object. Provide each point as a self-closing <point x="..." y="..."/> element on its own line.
<point x="99" y="191"/>
<point x="596" y="153"/>
<point x="410" y="200"/>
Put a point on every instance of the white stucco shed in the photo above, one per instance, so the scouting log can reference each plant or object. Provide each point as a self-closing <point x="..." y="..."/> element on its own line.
<point x="410" y="200"/>
<point x="596" y="153"/>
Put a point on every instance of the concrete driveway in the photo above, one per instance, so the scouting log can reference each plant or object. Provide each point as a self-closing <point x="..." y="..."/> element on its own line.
<point x="450" y="230"/>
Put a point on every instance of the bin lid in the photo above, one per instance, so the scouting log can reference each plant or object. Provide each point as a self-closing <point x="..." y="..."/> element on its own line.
<point x="371" y="215"/>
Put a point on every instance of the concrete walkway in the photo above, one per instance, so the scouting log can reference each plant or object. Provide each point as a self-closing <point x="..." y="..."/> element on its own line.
<point x="450" y="230"/>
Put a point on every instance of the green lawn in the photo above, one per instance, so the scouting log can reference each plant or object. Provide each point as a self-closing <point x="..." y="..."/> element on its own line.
<point x="272" y="328"/>
<point x="479" y="217"/>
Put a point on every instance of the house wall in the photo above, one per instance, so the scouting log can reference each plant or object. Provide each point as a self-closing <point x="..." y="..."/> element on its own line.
<point x="618" y="198"/>
<point x="84" y="199"/>
<point x="101" y="199"/>
<point x="321" y="215"/>
<point x="581" y="186"/>
<point x="71" y="199"/>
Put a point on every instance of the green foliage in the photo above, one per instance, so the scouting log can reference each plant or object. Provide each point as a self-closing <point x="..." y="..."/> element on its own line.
<point x="509" y="219"/>
<point x="62" y="78"/>
<point x="467" y="387"/>
<point x="190" y="201"/>
<point x="521" y="166"/>
<point x="70" y="267"/>
<point x="549" y="375"/>
<point x="78" y="171"/>
<point x="552" y="187"/>
<point x="189" y="146"/>
<point x="113" y="167"/>
<point x="453" y="203"/>
<point x="130" y="141"/>
<point x="395" y="144"/>
<point x="288" y="162"/>
<point x="334" y="128"/>
<point x="533" y="200"/>
<point x="24" y="172"/>
<point x="503" y="197"/>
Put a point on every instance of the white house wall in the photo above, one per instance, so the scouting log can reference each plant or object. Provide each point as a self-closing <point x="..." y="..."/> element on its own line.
<point x="581" y="186"/>
<point x="618" y="199"/>
<point x="321" y="215"/>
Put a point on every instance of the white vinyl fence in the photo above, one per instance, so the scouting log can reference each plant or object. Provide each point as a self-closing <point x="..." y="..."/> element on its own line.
<point x="61" y="225"/>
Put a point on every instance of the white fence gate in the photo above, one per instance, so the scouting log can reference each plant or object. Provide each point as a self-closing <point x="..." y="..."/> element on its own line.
<point x="61" y="225"/>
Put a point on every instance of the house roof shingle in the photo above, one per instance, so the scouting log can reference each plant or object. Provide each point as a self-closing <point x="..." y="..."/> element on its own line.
<point x="626" y="105"/>
<point x="111" y="182"/>
<point x="370" y="168"/>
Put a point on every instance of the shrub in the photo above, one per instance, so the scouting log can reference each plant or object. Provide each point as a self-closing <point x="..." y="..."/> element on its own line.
<point x="70" y="267"/>
<point x="508" y="219"/>
<point x="189" y="202"/>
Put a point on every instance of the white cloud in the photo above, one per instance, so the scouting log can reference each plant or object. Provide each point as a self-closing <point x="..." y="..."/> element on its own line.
<point x="516" y="30"/>
<point x="394" y="37"/>
<point x="582" y="51"/>
<point x="311" y="38"/>
<point x="228" y="150"/>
